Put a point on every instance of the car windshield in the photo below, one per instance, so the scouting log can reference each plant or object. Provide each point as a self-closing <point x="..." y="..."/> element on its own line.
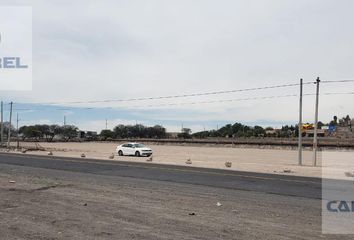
<point x="138" y="145"/>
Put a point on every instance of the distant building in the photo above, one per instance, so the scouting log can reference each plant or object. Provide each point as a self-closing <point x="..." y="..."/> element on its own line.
<point x="320" y="132"/>
<point x="81" y="134"/>
<point x="272" y="132"/>
<point x="344" y="132"/>
<point x="87" y="135"/>
<point x="172" y="134"/>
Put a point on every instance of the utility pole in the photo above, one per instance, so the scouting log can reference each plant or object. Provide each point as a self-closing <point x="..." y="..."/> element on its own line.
<point x="300" y="124"/>
<point x="64" y="120"/>
<point x="316" y="123"/>
<point x="9" y="135"/>
<point x="106" y="124"/>
<point x="2" y="124"/>
<point x="18" y="141"/>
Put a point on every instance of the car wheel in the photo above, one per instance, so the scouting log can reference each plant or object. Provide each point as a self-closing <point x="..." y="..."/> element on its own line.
<point x="137" y="154"/>
<point x="120" y="153"/>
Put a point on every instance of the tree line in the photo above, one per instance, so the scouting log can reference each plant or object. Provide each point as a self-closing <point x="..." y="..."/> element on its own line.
<point x="240" y="130"/>
<point x="134" y="131"/>
<point x="48" y="132"/>
<point x="68" y="132"/>
<point x="342" y="122"/>
<point x="237" y="130"/>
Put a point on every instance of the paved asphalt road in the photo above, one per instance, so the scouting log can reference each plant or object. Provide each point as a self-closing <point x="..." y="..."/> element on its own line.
<point x="125" y="200"/>
<point x="267" y="183"/>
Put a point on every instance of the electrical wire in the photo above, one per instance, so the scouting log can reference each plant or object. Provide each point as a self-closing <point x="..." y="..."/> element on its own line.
<point x="337" y="81"/>
<point x="183" y="103"/>
<point x="174" y="96"/>
<point x="188" y="95"/>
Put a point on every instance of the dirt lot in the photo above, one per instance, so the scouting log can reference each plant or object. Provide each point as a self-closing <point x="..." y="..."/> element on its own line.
<point x="242" y="159"/>
<point x="50" y="204"/>
<point x="60" y="198"/>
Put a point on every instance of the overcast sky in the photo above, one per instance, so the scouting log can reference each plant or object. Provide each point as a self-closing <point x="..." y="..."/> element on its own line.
<point x="111" y="49"/>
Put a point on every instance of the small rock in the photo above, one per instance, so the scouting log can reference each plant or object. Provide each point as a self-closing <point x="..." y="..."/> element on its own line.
<point x="111" y="156"/>
<point x="83" y="155"/>
<point x="85" y="204"/>
<point x="12" y="181"/>
<point x="50" y="153"/>
<point x="23" y="150"/>
<point x="191" y="214"/>
<point x="218" y="204"/>
<point x="349" y="174"/>
<point x="149" y="159"/>
<point x="287" y="171"/>
<point x="189" y="161"/>
<point x="228" y="164"/>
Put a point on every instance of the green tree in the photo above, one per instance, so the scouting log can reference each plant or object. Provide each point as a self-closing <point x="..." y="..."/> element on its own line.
<point x="185" y="133"/>
<point x="107" y="134"/>
<point x="30" y="132"/>
<point x="334" y="122"/>
<point x="259" y="131"/>
<point x="69" y="132"/>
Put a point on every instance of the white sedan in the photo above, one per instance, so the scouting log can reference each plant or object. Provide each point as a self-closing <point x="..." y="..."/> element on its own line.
<point x="133" y="149"/>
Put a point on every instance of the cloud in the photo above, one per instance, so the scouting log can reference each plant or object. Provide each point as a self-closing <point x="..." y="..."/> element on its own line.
<point x="123" y="49"/>
<point x="98" y="125"/>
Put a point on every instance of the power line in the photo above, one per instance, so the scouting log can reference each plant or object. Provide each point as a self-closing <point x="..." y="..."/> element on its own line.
<point x="239" y="99"/>
<point x="188" y="95"/>
<point x="337" y="81"/>
<point x="174" y="96"/>
<point x="185" y="103"/>
<point x="221" y="101"/>
<point x="339" y="93"/>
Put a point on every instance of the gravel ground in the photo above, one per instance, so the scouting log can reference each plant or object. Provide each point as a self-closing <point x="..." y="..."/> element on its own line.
<point x="52" y="204"/>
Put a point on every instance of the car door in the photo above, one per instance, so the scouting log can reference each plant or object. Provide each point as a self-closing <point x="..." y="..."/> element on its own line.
<point x="125" y="149"/>
<point x="130" y="149"/>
